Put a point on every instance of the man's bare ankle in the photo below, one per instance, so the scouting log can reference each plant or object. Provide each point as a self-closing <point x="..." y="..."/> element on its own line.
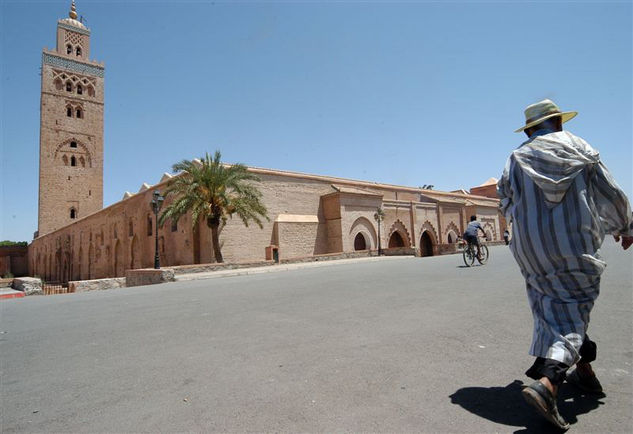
<point x="549" y="385"/>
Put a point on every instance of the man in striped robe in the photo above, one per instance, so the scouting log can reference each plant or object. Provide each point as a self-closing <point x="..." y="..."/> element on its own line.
<point x="561" y="200"/>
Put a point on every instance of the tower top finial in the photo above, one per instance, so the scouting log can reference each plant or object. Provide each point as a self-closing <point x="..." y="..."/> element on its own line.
<point x="73" y="11"/>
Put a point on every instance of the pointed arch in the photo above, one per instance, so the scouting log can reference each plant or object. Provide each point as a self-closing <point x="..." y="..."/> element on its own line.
<point x="428" y="226"/>
<point x="398" y="235"/>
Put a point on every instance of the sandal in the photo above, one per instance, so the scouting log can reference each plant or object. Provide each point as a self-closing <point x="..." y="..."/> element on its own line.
<point x="589" y="384"/>
<point x="539" y="397"/>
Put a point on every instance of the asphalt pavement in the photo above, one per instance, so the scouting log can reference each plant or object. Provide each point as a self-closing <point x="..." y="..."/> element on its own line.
<point x="394" y="345"/>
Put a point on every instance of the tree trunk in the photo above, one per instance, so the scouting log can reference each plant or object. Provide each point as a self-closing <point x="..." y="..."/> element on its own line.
<point x="215" y="239"/>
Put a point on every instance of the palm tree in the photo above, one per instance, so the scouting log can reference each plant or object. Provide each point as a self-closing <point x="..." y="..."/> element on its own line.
<point x="213" y="191"/>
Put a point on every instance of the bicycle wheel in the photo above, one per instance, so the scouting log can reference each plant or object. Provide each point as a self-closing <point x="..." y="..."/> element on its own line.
<point x="483" y="254"/>
<point x="469" y="256"/>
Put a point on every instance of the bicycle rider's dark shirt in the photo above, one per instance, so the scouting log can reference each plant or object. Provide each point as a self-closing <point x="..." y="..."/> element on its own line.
<point x="471" y="230"/>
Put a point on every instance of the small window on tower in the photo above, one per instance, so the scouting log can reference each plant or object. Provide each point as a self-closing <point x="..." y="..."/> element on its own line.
<point x="73" y="213"/>
<point x="73" y="161"/>
<point x="69" y="86"/>
<point x="73" y="144"/>
<point x="80" y="89"/>
<point x="69" y="49"/>
<point x="78" y="51"/>
<point x="69" y="112"/>
<point x="79" y="113"/>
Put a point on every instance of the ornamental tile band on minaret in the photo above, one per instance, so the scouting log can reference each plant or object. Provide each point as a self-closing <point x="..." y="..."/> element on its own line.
<point x="71" y="129"/>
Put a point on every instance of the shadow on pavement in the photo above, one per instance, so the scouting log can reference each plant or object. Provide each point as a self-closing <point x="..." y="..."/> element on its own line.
<point x="505" y="405"/>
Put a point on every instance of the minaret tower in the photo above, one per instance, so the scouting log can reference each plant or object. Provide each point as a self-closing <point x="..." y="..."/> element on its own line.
<point x="71" y="129"/>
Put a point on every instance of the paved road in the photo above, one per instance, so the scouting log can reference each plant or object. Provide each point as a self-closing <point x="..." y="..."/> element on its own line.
<point x="406" y="345"/>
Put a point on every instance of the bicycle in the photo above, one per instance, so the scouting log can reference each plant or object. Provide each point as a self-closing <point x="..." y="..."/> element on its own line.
<point x="469" y="253"/>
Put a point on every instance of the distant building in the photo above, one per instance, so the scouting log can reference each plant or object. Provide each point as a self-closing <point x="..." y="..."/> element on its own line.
<point x="310" y="214"/>
<point x="488" y="189"/>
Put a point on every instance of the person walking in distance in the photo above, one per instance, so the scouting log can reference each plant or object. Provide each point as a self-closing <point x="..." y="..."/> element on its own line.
<point x="562" y="201"/>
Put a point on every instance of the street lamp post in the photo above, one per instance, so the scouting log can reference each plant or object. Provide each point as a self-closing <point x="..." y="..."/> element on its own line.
<point x="157" y="202"/>
<point x="379" y="215"/>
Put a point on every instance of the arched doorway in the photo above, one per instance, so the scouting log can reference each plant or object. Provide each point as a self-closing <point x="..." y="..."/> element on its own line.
<point x="452" y="237"/>
<point x="396" y="240"/>
<point x="363" y="227"/>
<point x="426" y="244"/>
<point x="360" y="243"/>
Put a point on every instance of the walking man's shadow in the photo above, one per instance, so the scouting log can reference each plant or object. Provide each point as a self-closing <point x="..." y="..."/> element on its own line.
<point x="505" y="405"/>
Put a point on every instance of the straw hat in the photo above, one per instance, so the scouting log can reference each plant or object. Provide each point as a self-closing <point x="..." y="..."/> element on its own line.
<point x="538" y="112"/>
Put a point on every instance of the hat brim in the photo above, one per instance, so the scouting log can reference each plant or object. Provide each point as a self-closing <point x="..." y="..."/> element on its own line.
<point x="566" y="116"/>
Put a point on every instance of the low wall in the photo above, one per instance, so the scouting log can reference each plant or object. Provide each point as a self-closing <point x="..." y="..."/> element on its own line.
<point x="331" y="257"/>
<point x="148" y="276"/>
<point x="203" y="268"/>
<point x="96" y="284"/>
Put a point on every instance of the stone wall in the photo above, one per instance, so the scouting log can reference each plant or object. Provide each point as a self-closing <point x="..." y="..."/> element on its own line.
<point x="148" y="276"/>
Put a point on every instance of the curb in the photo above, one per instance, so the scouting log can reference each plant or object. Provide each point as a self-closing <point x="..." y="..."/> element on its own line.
<point x="6" y="294"/>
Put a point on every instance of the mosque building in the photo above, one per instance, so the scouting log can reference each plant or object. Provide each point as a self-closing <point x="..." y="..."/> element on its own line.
<point x="310" y="215"/>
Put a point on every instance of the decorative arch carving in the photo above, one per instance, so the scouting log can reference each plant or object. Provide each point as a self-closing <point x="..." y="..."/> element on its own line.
<point x="399" y="227"/>
<point x="451" y="228"/>
<point x="81" y="149"/>
<point x="489" y="228"/>
<point x="428" y="227"/>
<point x="363" y="225"/>
<point x="89" y="83"/>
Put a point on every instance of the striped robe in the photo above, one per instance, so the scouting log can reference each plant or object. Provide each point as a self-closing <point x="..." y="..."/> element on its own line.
<point x="561" y="201"/>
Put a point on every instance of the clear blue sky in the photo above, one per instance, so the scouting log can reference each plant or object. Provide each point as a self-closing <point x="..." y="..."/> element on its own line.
<point x="408" y="93"/>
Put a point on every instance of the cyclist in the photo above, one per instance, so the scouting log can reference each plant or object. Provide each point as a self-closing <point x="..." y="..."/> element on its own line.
<point x="470" y="234"/>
